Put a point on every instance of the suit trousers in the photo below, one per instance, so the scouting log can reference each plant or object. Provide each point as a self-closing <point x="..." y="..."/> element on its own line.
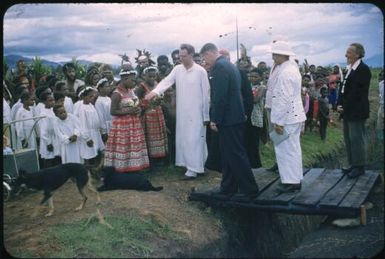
<point x="236" y="170"/>
<point x="213" y="161"/>
<point x="252" y="144"/>
<point x="354" y="137"/>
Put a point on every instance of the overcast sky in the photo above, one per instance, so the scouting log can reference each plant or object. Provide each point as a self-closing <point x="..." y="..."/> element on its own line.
<point x="99" y="32"/>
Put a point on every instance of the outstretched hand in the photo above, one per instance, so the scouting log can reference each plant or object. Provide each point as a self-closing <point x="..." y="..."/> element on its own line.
<point x="150" y="96"/>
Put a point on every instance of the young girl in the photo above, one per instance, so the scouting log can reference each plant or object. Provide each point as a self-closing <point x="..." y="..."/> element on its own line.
<point x="67" y="131"/>
<point x="79" y="101"/>
<point x="91" y="141"/>
<point x="24" y="129"/>
<point x="103" y="106"/>
<point x="48" y="142"/>
<point x="154" y="124"/>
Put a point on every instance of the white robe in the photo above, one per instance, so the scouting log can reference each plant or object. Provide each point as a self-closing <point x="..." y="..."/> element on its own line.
<point x="64" y="129"/>
<point x="47" y="134"/>
<point x="68" y="105"/>
<point x="89" y="129"/>
<point x="103" y="107"/>
<point x="6" y="112"/>
<point x="287" y="110"/>
<point x="192" y="109"/>
<point x="16" y="142"/>
<point x="24" y="129"/>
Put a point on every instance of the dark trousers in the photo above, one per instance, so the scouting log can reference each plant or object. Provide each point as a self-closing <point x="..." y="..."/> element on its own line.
<point x="354" y="137"/>
<point x="252" y="144"/>
<point x="213" y="161"/>
<point x="323" y="123"/>
<point x="236" y="170"/>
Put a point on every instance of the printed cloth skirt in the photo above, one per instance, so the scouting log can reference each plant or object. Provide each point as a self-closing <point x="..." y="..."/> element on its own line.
<point x="126" y="148"/>
<point x="156" y="133"/>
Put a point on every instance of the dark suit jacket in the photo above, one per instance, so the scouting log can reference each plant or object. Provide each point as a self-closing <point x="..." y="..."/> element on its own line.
<point x="355" y="99"/>
<point x="225" y="81"/>
<point x="247" y="94"/>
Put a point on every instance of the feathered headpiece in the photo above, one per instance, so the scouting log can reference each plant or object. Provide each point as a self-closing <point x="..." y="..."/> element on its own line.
<point x="146" y="54"/>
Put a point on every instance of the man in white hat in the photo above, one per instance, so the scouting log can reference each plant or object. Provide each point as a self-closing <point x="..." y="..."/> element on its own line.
<point x="283" y="97"/>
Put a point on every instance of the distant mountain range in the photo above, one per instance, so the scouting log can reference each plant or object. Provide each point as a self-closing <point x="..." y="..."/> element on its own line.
<point x="11" y="61"/>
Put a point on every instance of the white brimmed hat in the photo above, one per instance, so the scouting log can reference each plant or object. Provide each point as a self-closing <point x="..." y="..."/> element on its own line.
<point x="282" y="48"/>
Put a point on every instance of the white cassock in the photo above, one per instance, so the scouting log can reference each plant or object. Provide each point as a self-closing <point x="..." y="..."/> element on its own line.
<point x="192" y="109"/>
<point x="16" y="142"/>
<point x="103" y="107"/>
<point x="47" y="134"/>
<point x="287" y="110"/>
<point x="64" y="129"/>
<point x="68" y="105"/>
<point x="89" y="129"/>
<point x="24" y="129"/>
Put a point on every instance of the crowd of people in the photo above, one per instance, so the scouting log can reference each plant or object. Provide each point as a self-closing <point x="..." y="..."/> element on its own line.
<point x="200" y="112"/>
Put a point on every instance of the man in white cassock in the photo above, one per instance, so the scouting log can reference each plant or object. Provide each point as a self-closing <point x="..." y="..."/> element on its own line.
<point x="287" y="114"/>
<point x="192" y="111"/>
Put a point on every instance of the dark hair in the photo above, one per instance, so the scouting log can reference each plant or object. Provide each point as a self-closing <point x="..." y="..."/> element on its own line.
<point x="87" y="91"/>
<point x="44" y="96"/>
<point x="59" y="85"/>
<point x="162" y="57"/>
<point x="25" y="96"/>
<point x="176" y="51"/>
<point x="190" y="49"/>
<point x="56" y="107"/>
<point x="40" y="90"/>
<point x="68" y="66"/>
<point x="360" y="51"/>
<point x="58" y="96"/>
<point x="257" y="70"/>
<point x="208" y="47"/>
<point x="196" y="55"/>
<point x="308" y="76"/>
<point x="81" y="87"/>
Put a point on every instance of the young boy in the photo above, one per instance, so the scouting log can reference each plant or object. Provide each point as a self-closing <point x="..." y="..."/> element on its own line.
<point x="323" y="112"/>
<point x="67" y="130"/>
<point x="62" y="88"/>
<point x="24" y="129"/>
<point x="103" y="106"/>
<point x="48" y="142"/>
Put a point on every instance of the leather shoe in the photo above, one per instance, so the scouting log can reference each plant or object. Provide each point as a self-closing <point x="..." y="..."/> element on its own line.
<point x="274" y="168"/>
<point x="346" y="170"/>
<point x="357" y="171"/>
<point x="241" y="197"/>
<point x="286" y="188"/>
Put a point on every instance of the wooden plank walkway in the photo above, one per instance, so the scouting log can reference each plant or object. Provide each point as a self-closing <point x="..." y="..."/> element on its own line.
<point x="324" y="192"/>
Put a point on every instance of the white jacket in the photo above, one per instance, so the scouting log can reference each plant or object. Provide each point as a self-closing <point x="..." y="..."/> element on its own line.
<point x="286" y="105"/>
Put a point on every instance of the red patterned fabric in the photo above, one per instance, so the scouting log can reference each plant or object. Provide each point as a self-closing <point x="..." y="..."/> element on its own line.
<point x="126" y="148"/>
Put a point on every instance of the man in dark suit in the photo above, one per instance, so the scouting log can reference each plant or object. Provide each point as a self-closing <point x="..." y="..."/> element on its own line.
<point x="228" y="119"/>
<point x="353" y="104"/>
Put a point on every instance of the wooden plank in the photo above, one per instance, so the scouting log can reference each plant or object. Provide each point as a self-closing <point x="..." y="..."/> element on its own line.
<point x="264" y="178"/>
<point x="338" y="193"/>
<point x="316" y="190"/>
<point x="268" y="196"/>
<point x="360" y="190"/>
<point x="309" y="177"/>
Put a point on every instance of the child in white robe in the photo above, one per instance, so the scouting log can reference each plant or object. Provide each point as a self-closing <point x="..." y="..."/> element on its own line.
<point x="49" y="146"/>
<point x="91" y="141"/>
<point x="24" y="129"/>
<point x="67" y="130"/>
<point x="16" y="142"/>
<point x="61" y="87"/>
<point x="103" y="106"/>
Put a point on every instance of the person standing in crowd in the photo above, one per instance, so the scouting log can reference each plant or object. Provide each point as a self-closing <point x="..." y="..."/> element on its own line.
<point x="335" y="79"/>
<point x="126" y="148"/>
<point x="228" y="119"/>
<point x="287" y="114"/>
<point x="71" y="82"/>
<point x="103" y="106"/>
<point x="353" y="105"/>
<point x="175" y="57"/>
<point x="164" y="67"/>
<point x="60" y="87"/>
<point x="192" y="111"/>
<point x="24" y="129"/>
<point x="153" y="119"/>
<point x="323" y="112"/>
<point x="91" y="143"/>
<point x="67" y="130"/>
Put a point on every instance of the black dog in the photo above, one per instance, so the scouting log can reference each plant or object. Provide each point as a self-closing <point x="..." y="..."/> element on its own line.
<point x="114" y="181"/>
<point x="50" y="179"/>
